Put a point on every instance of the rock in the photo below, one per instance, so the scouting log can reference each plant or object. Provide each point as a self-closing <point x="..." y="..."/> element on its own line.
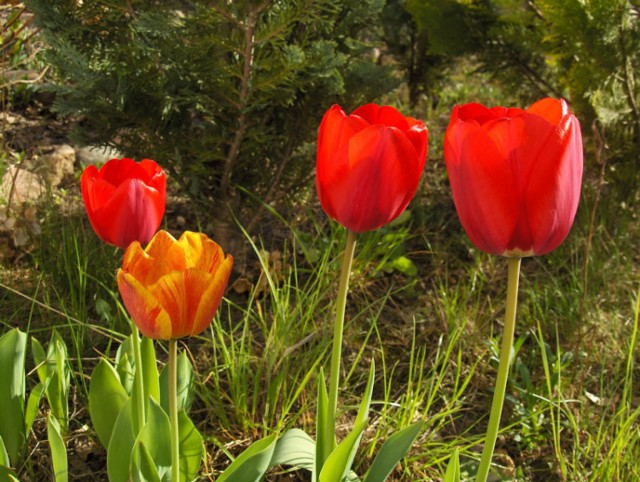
<point x="96" y="155"/>
<point x="59" y="164"/>
<point x="21" y="186"/>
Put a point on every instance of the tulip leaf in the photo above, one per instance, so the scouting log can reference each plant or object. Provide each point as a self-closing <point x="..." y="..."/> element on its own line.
<point x="143" y="468"/>
<point x="121" y="445"/>
<point x="4" y="456"/>
<point x="12" y="393"/>
<point x="191" y="448"/>
<point x="33" y="407"/>
<point x="58" y="450"/>
<point x="295" y="448"/>
<point x="185" y="388"/>
<point x="53" y="372"/>
<point x="156" y="437"/>
<point x="149" y="369"/>
<point x="252" y="464"/>
<point x="7" y="474"/>
<point x="324" y="442"/>
<point x="124" y="363"/>
<point x="391" y="452"/>
<point x="106" y="399"/>
<point x="453" y="468"/>
<point x="338" y="465"/>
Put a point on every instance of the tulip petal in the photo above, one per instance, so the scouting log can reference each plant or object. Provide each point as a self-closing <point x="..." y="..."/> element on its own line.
<point x="133" y="212"/>
<point x="161" y="256"/>
<point x="384" y="115"/>
<point x="200" y="252"/>
<point x="482" y="184"/>
<point x="383" y="176"/>
<point x="332" y="154"/>
<point x="212" y="296"/>
<point x="148" y="314"/>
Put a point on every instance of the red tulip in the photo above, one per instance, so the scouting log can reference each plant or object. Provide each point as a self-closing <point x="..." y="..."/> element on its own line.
<point x="515" y="175"/>
<point x="172" y="289"/>
<point x="368" y="164"/>
<point x="125" y="200"/>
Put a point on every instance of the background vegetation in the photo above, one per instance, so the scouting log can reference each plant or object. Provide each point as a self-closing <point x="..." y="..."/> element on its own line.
<point x="227" y="96"/>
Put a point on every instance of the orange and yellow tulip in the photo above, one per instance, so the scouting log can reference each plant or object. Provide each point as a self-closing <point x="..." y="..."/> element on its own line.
<point x="172" y="289"/>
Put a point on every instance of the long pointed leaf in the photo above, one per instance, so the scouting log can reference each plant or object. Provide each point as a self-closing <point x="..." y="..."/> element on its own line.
<point x="12" y="393"/>
<point x="106" y="398"/>
<point x="453" y="468"/>
<point x="295" y="448"/>
<point x="324" y="444"/>
<point x="151" y="381"/>
<point x="252" y="464"/>
<point x="191" y="448"/>
<point x="391" y="452"/>
<point x="121" y="445"/>
<point x="58" y="450"/>
<point x="338" y="465"/>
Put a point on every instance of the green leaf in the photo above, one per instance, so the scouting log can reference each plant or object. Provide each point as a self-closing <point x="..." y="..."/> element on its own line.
<point x="391" y="452"/>
<point x="58" y="450"/>
<point x="143" y="467"/>
<point x="12" y="392"/>
<point x="338" y="465"/>
<point x="40" y="359"/>
<point x="252" y="464"/>
<point x="59" y="375"/>
<point x="121" y="445"/>
<point x="7" y="474"/>
<point x="156" y="437"/>
<point x="453" y="468"/>
<point x="295" y="448"/>
<point x="33" y="407"/>
<point x="106" y="399"/>
<point x="324" y="443"/>
<point x="4" y="456"/>
<point x="150" y="369"/>
<point x="191" y="448"/>
<point x="186" y="385"/>
<point x="124" y="364"/>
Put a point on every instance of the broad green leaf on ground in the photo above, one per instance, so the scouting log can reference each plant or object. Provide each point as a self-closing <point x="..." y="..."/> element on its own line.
<point x="338" y="465"/>
<point x="149" y="369"/>
<point x="295" y="448"/>
<point x="191" y="448"/>
<point x="106" y="399"/>
<point x="185" y="388"/>
<point x="391" y="452"/>
<point x="156" y="437"/>
<point x="121" y="445"/>
<point x="12" y="393"/>
<point x="58" y="450"/>
<point x="252" y="464"/>
<point x="143" y="468"/>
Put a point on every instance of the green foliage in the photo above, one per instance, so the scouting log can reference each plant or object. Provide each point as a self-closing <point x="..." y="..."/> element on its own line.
<point x="221" y="93"/>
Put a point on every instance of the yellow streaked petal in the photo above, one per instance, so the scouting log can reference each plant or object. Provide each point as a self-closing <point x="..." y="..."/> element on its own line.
<point x="147" y="313"/>
<point x="212" y="296"/>
<point x="200" y="252"/>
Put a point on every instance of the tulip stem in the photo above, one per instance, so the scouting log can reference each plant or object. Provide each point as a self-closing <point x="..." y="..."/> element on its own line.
<point x="141" y="417"/>
<point x="338" y="329"/>
<point x="503" y="369"/>
<point x="173" y="410"/>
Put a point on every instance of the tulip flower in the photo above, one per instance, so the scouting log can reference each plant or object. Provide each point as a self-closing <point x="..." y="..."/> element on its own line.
<point x="172" y="289"/>
<point x="515" y="175"/>
<point x="368" y="164"/>
<point x="125" y="200"/>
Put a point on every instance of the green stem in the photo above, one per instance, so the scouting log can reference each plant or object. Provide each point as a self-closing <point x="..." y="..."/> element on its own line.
<point x="141" y="416"/>
<point x="338" y="328"/>
<point x="173" y="410"/>
<point x="503" y="369"/>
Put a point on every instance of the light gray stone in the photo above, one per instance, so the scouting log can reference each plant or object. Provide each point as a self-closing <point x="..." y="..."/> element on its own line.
<point x="59" y="164"/>
<point x="96" y="155"/>
<point x="21" y="186"/>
